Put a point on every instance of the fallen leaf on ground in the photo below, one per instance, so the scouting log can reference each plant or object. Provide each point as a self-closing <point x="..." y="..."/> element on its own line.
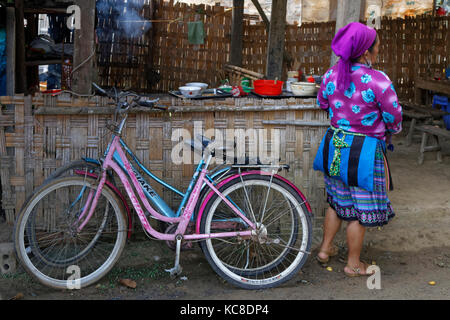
<point x="18" y="296"/>
<point x="128" y="283"/>
<point x="432" y="283"/>
<point x="330" y="269"/>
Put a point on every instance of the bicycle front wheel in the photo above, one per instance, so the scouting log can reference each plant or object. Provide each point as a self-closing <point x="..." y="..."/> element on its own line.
<point x="278" y="247"/>
<point x="47" y="240"/>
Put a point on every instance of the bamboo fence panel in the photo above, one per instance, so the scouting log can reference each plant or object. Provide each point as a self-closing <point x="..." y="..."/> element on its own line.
<point x="33" y="145"/>
<point x="124" y="60"/>
<point x="410" y="47"/>
<point x="178" y="61"/>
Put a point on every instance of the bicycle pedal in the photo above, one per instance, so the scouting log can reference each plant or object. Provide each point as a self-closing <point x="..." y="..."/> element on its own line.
<point x="175" y="271"/>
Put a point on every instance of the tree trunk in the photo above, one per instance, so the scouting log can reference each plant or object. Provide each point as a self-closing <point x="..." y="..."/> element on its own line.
<point x="277" y="35"/>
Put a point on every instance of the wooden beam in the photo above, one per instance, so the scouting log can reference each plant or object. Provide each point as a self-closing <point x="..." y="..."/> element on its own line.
<point x="262" y="14"/>
<point x="237" y="32"/>
<point x="277" y="34"/>
<point x="333" y="10"/>
<point x="84" y="46"/>
<point x="10" y="51"/>
<point x="21" y="74"/>
<point x="347" y="11"/>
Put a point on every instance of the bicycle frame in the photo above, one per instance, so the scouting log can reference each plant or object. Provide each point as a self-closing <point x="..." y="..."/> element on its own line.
<point x="115" y="154"/>
<point x="149" y="192"/>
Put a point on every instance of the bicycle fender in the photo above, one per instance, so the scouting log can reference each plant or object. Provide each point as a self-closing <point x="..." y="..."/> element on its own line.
<point x="118" y="193"/>
<point x="90" y="160"/>
<point x="211" y="193"/>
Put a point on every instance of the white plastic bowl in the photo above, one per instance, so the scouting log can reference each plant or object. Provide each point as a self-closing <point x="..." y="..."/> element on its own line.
<point x="303" y="88"/>
<point x="190" y="91"/>
<point x="197" y="84"/>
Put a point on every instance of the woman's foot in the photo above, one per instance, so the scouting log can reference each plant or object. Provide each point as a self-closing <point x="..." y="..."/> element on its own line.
<point x="358" y="270"/>
<point x="324" y="254"/>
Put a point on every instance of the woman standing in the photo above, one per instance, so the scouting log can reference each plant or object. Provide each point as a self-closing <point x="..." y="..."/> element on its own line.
<point x="362" y="106"/>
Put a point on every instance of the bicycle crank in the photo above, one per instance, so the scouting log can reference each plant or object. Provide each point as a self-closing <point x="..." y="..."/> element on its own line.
<point x="185" y="245"/>
<point x="176" y="270"/>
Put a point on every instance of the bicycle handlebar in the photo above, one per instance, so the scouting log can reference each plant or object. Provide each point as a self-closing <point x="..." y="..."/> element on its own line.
<point x="102" y="91"/>
<point x="143" y="103"/>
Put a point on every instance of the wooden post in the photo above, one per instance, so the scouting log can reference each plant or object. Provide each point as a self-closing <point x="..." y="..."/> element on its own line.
<point x="275" y="50"/>
<point x="21" y="79"/>
<point x="262" y="14"/>
<point x="84" y="49"/>
<point x="347" y="11"/>
<point x="10" y="51"/>
<point x="237" y="29"/>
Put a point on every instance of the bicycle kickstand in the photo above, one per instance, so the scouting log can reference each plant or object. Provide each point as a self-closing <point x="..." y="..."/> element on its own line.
<point x="176" y="270"/>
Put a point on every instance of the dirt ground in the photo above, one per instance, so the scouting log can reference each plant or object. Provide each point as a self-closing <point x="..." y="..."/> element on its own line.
<point x="412" y="250"/>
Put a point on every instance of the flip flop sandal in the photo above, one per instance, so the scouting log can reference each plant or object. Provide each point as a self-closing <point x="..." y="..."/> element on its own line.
<point x="357" y="271"/>
<point x="334" y="252"/>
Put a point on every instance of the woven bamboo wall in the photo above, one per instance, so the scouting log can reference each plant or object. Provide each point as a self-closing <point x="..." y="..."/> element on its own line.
<point x="178" y="61"/>
<point x="34" y="145"/>
<point x="123" y="56"/>
<point x="409" y="47"/>
<point x="309" y="44"/>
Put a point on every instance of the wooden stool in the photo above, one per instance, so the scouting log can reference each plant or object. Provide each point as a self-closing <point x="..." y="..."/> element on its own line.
<point x="436" y="133"/>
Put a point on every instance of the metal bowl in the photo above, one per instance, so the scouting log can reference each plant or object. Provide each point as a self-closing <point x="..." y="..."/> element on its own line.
<point x="197" y="84"/>
<point x="190" y="91"/>
<point x="303" y="88"/>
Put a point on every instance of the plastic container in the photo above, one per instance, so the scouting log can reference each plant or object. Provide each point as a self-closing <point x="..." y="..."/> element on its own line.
<point x="447" y="118"/>
<point x="268" y="87"/>
<point x="292" y="74"/>
<point x="288" y="83"/>
<point x="226" y="88"/>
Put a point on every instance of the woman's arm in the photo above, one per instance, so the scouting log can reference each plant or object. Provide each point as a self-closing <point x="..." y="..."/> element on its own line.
<point x="322" y="98"/>
<point x="391" y="110"/>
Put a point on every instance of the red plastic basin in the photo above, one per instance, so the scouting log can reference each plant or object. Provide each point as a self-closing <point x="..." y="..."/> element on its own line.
<point x="268" y="87"/>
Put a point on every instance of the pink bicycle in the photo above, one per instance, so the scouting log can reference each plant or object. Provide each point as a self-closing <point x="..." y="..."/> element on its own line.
<point x="253" y="226"/>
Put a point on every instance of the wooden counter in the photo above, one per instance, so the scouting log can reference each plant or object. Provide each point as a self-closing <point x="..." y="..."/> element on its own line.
<point x="441" y="87"/>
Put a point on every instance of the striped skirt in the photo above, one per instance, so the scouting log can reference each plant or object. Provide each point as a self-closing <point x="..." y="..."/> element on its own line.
<point x="371" y="209"/>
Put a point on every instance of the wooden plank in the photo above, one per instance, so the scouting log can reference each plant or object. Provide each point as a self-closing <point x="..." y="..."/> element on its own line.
<point x="10" y="50"/>
<point x="299" y="123"/>
<point x="434" y="131"/>
<point x="21" y="79"/>
<point x="84" y="48"/>
<point x="442" y="86"/>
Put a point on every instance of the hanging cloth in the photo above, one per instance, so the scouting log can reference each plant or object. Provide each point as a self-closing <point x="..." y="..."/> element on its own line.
<point x="196" y="32"/>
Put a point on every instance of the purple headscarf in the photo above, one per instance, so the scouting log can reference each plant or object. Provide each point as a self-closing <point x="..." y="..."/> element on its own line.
<point x="349" y="43"/>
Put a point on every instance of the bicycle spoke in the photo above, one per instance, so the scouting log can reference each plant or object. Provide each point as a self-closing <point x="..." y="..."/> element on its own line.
<point x="51" y="232"/>
<point x="277" y="244"/>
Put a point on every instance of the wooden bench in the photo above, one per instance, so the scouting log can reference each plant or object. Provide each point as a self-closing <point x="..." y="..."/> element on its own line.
<point x="416" y="117"/>
<point x="421" y="115"/>
<point x="436" y="133"/>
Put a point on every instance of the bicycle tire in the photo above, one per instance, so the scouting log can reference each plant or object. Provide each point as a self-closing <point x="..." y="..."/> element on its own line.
<point x="290" y="259"/>
<point x="34" y="261"/>
<point x="69" y="168"/>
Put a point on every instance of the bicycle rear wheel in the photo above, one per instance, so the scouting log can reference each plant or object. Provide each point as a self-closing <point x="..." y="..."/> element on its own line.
<point x="51" y="248"/>
<point x="279" y="246"/>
